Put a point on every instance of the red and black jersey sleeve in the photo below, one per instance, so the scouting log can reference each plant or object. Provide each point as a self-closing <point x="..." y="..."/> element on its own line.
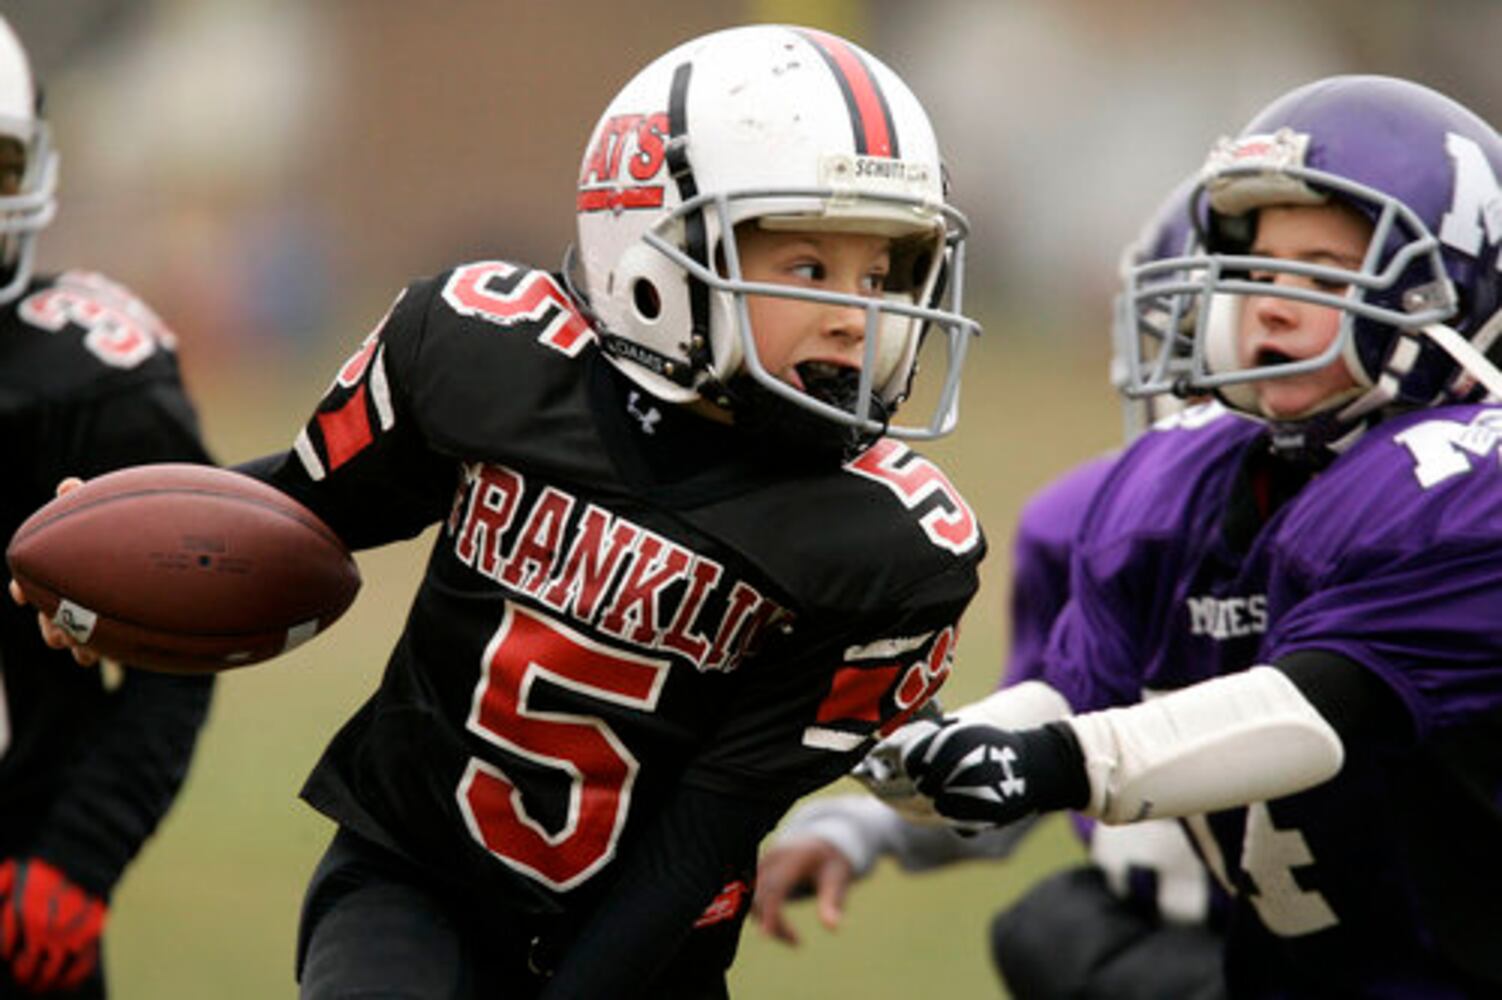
<point x="362" y="462"/>
<point x="462" y="368"/>
<point x="804" y="714"/>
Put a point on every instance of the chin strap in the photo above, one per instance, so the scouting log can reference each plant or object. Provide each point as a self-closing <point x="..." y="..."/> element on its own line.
<point x="1466" y="354"/>
<point x="1320" y="438"/>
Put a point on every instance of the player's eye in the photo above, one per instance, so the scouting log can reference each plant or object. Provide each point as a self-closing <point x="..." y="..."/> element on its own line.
<point x="808" y="270"/>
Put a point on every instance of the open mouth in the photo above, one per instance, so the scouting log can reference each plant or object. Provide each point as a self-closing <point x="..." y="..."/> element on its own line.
<point x="830" y="382"/>
<point x="1268" y="356"/>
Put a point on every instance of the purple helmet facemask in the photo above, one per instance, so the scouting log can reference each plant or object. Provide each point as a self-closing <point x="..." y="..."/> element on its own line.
<point x="1417" y="317"/>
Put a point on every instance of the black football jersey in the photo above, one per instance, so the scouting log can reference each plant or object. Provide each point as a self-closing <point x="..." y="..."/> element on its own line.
<point x="88" y="383"/>
<point x="623" y="599"/>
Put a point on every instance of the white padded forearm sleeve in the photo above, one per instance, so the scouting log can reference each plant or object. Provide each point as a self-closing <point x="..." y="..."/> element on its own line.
<point x="1021" y="706"/>
<point x="1226" y="742"/>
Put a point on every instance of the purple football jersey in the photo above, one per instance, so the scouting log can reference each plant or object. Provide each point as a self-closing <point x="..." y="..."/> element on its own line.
<point x="1380" y="881"/>
<point x="1040" y="562"/>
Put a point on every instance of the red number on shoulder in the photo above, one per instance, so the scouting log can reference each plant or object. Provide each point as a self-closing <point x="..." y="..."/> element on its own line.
<point x="119" y="329"/>
<point x="917" y="482"/>
<point x="504" y="294"/>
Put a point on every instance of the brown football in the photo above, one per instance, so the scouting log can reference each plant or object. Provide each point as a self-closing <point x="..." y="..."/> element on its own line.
<point x="183" y="568"/>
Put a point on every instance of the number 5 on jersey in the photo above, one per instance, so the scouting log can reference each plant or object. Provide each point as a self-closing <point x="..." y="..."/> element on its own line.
<point x="527" y="649"/>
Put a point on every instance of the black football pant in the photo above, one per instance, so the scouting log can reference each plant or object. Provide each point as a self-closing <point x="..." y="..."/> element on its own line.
<point x="1071" y="937"/>
<point x="374" y="928"/>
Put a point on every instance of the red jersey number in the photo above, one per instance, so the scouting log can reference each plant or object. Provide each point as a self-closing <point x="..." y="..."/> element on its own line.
<point x="527" y="649"/>
<point x="505" y="295"/>
<point x="118" y="328"/>
<point x="948" y="522"/>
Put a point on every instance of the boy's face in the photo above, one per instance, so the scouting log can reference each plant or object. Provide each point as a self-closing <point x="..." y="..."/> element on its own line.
<point x="12" y="166"/>
<point x="797" y="340"/>
<point x="1274" y="330"/>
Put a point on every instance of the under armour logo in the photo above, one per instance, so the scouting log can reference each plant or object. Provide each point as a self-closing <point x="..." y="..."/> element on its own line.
<point x="1005" y="757"/>
<point x="981" y="766"/>
<point x="647" y="417"/>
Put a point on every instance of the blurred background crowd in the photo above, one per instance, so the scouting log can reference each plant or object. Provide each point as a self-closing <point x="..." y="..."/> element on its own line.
<point x="268" y="173"/>
<point x="262" y="169"/>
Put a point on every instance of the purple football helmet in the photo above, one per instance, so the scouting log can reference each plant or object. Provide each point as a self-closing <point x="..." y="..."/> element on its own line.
<point x="1152" y="336"/>
<point x="1418" y="317"/>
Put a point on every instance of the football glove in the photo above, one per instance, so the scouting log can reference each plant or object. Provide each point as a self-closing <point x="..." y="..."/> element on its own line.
<point x="882" y="773"/>
<point x="49" y="927"/>
<point x="981" y="777"/>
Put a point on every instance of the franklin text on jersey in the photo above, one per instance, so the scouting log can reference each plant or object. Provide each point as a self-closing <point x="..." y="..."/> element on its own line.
<point x="604" y="571"/>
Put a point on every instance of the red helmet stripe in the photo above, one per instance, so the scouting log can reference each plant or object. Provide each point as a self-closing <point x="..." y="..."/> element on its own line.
<point x="870" y="118"/>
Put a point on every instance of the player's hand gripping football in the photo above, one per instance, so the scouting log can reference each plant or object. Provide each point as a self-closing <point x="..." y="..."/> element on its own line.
<point x="49" y="927"/>
<point x="53" y="636"/>
<point x="980" y="777"/>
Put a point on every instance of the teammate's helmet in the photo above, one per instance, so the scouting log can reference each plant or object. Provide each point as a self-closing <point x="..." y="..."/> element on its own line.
<point x="28" y="211"/>
<point x="1152" y="336"/>
<point x="799" y="130"/>
<point x="1421" y="312"/>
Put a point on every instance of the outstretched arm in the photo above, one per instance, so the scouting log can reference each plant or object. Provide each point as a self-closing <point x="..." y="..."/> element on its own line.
<point x="1260" y="734"/>
<point x="830" y="843"/>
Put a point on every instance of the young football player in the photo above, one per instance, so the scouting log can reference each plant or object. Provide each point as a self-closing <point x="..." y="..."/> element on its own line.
<point x="90" y="760"/>
<point x="687" y="570"/>
<point x="1134" y="921"/>
<point x="1303" y="575"/>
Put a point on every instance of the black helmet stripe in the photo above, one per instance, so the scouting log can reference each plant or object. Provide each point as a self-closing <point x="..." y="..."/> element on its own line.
<point x="870" y="117"/>
<point x="695" y="239"/>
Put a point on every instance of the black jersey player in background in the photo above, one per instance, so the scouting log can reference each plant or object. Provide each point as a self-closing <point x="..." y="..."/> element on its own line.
<point x="687" y="570"/>
<point x="90" y="759"/>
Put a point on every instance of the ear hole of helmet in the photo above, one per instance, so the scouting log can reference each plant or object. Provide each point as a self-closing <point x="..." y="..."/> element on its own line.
<point x="646" y="299"/>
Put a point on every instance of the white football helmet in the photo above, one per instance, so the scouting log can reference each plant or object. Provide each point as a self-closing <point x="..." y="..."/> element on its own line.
<point x="29" y="210"/>
<point x="799" y="130"/>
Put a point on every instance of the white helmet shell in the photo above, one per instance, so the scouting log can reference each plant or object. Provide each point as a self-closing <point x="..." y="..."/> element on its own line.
<point x="29" y="210"/>
<point x="797" y="129"/>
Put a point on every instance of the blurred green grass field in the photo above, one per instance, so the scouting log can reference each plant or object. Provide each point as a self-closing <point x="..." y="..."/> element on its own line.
<point x="210" y="909"/>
